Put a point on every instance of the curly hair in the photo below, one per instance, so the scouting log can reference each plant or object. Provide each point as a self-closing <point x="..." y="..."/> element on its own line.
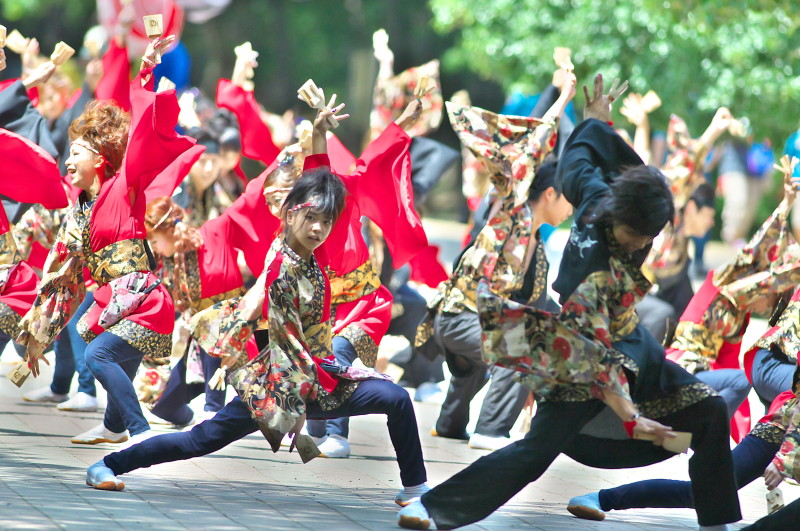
<point x="164" y="216"/>
<point x="104" y="126"/>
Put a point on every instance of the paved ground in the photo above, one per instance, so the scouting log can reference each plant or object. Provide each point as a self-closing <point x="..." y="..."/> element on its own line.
<point x="245" y="486"/>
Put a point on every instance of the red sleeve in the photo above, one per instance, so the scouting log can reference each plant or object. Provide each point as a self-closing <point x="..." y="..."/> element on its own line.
<point x="381" y="184"/>
<point x="167" y="181"/>
<point x="250" y="225"/>
<point x="36" y="178"/>
<point x="256" y="137"/>
<point x="115" y="82"/>
<point x="426" y="267"/>
<point x="153" y="143"/>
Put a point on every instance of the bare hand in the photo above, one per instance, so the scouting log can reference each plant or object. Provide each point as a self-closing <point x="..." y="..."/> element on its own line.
<point x="652" y="429"/>
<point x="2" y="59"/>
<point x="772" y="476"/>
<point x="30" y="55"/>
<point x="295" y="431"/>
<point x="790" y="184"/>
<point x="722" y="119"/>
<point x="159" y="45"/>
<point x="39" y="75"/>
<point x="410" y="115"/>
<point x="321" y="122"/>
<point x="633" y="110"/>
<point x="599" y="104"/>
<point x="33" y="354"/>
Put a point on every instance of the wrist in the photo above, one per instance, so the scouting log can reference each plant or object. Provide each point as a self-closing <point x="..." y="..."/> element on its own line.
<point x="630" y="424"/>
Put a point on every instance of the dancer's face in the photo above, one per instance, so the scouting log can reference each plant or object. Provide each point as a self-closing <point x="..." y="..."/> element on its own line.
<point x="697" y="221"/>
<point x="306" y="230"/>
<point x="83" y="166"/>
<point x="555" y="209"/>
<point x="162" y="243"/>
<point x="630" y="240"/>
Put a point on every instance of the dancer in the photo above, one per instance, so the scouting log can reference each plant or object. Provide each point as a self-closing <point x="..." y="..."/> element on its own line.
<point x="289" y="380"/>
<point x="587" y="355"/>
<point x="112" y="160"/>
<point x="509" y="251"/>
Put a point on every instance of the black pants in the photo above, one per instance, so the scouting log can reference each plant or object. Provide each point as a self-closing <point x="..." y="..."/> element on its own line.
<point x="480" y="489"/>
<point x="233" y="422"/>
<point x="750" y="459"/>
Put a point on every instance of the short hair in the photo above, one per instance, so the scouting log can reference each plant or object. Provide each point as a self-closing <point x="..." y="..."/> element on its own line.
<point x="104" y="126"/>
<point x="704" y="196"/>
<point x="545" y="178"/>
<point x="323" y="187"/>
<point x="639" y="198"/>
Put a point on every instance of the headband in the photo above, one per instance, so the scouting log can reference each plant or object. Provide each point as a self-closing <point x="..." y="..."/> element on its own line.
<point x="164" y="218"/>
<point x="85" y="145"/>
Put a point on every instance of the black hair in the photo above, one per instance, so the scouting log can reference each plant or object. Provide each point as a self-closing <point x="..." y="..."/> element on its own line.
<point x="230" y="140"/>
<point x="639" y="198"/>
<point x="545" y="178"/>
<point x="704" y="196"/>
<point x="205" y="138"/>
<point x="321" y="186"/>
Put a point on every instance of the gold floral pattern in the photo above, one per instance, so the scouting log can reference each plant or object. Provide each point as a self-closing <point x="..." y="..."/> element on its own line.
<point x="365" y="347"/>
<point x="9" y="321"/>
<point x="786" y="336"/>
<point x="354" y="285"/>
<point x="116" y="260"/>
<point x="768" y="431"/>
<point x="155" y="346"/>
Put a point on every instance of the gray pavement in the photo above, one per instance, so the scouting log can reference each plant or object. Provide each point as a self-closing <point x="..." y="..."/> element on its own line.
<point x="246" y="486"/>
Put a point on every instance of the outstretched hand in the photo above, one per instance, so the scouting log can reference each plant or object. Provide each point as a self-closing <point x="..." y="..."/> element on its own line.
<point x="410" y="114"/>
<point x="34" y="353"/>
<point x="321" y="123"/>
<point x="633" y="110"/>
<point x="155" y="49"/>
<point x="599" y="104"/>
<point x="39" y="75"/>
<point x="772" y="476"/>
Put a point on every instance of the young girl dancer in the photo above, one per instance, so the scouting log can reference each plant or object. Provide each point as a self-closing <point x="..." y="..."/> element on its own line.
<point x="294" y="377"/>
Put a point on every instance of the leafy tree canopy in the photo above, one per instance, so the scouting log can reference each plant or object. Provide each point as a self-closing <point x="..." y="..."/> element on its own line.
<point x="696" y="55"/>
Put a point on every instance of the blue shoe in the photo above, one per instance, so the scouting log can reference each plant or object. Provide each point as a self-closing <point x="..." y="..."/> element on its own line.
<point x="101" y="477"/>
<point x="587" y="507"/>
<point x="415" y="516"/>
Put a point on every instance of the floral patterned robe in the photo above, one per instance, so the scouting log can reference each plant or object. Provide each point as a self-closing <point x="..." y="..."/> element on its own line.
<point x="512" y="148"/>
<point x="595" y="343"/>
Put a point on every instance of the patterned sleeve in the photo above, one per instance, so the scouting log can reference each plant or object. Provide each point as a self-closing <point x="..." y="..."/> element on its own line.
<point x="61" y="289"/>
<point x="548" y="349"/>
<point x="787" y="460"/>
<point x="764" y="249"/>
<point x="511" y="147"/>
<point x="37" y="225"/>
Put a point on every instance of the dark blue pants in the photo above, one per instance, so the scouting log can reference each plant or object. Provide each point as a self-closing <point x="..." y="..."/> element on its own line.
<point x="771" y="375"/>
<point x="345" y="354"/>
<point x="173" y="405"/>
<point x="114" y="363"/>
<point x="234" y="422"/>
<point x="731" y="384"/>
<point x="70" y="349"/>
<point x="750" y="459"/>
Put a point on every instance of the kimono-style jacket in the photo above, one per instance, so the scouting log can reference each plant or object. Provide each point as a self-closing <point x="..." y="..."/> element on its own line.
<point x="108" y="235"/>
<point x="30" y="175"/>
<point x="512" y="148"/>
<point x="596" y="343"/>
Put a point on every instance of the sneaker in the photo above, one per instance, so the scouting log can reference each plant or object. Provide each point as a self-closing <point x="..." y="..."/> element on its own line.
<point x="101" y="477"/>
<point x="587" y="507"/>
<point x="429" y="393"/>
<point x="80" y="402"/>
<point x="334" y="447"/>
<point x="488" y="442"/>
<point x="99" y="434"/>
<point x="409" y="495"/>
<point x="45" y="394"/>
<point x="414" y="516"/>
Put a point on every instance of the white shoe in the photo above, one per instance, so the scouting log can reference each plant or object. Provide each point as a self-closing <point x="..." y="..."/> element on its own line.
<point x="409" y="495"/>
<point x="80" y="402"/>
<point x="99" y="434"/>
<point x="334" y="447"/>
<point x="488" y="442"/>
<point x="136" y="439"/>
<point x="43" y="395"/>
<point x="415" y="516"/>
<point x="430" y="393"/>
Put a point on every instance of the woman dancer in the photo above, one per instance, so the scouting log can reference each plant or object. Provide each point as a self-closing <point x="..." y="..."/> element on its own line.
<point x="113" y="158"/>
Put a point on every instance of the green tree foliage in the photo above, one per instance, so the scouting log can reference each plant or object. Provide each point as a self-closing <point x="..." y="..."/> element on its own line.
<point x="697" y="55"/>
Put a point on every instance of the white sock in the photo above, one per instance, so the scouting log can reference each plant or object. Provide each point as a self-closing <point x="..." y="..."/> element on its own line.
<point x="721" y="527"/>
<point x="417" y="490"/>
